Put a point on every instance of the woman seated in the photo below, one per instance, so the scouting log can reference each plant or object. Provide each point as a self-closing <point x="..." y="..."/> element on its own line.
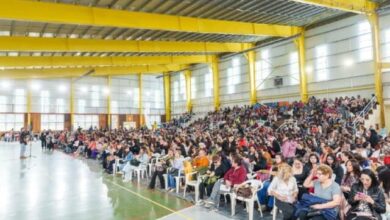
<point x="384" y="176"/>
<point x="234" y="176"/>
<point x="266" y="176"/>
<point x="300" y="175"/>
<point x="257" y="160"/>
<point x="351" y="177"/>
<point x="367" y="199"/>
<point x="177" y="165"/>
<point x="216" y="171"/>
<point x="161" y="166"/>
<point x="284" y="189"/>
<point x="139" y="160"/>
<point x="325" y="189"/>
<point x="201" y="162"/>
<point x="331" y="161"/>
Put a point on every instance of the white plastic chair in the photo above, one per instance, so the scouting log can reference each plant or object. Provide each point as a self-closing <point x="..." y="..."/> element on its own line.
<point x="274" y="211"/>
<point x="152" y="164"/>
<point x="225" y="191"/>
<point x="177" y="179"/>
<point x="115" y="167"/>
<point x="195" y="183"/>
<point x="250" y="202"/>
<point x="140" y="172"/>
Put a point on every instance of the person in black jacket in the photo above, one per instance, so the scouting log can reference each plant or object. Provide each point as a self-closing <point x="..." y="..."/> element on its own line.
<point x="43" y="140"/>
<point x="367" y="199"/>
<point x="216" y="171"/>
<point x="257" y="160"/>
<point x="23" y="142"/>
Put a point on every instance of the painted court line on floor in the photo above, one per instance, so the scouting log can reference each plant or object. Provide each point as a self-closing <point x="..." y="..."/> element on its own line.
<point x="149" y="200"/>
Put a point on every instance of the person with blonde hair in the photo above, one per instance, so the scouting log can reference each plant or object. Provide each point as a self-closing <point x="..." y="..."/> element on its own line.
<point x="326" y="189"/>
<point x="285" y="190"/>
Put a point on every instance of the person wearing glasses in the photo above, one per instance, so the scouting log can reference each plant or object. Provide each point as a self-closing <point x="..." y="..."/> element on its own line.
<point x="324" y="188"/>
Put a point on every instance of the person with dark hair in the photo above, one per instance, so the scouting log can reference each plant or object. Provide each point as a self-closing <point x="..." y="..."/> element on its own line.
<point x="161" y="167"/>
<point x="300" y="175"/>
<point x="331" y="161"/>
<point x="256" y="159"/>
<point x="351" y="177"/>
<point x="23" y="139"/>
<point x="216" y="171"/>
<point x="266" y="176"/>
<point x="42" y="137"/>
<point x="234" y="176"/>
<point x="313" y="162"/>
<point x="384" y="177"/>
<point x="367" y="199"/>
<point x="344" y="157"/>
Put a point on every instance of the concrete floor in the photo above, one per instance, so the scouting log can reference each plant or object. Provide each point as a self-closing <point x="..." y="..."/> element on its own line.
<point x="57" y="186"/>
<point x="53" y="185"/>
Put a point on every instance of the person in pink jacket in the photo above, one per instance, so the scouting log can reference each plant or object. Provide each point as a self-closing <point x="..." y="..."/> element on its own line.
<point x="289" y="147"/>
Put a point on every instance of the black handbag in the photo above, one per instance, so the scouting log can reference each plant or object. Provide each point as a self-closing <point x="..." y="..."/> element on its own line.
<point x="135" y="162"/>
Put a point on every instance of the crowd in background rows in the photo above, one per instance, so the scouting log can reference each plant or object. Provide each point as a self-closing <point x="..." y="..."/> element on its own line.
<point x="320" y="152"/>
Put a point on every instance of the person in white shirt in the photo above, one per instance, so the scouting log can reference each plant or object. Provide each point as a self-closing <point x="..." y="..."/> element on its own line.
<point x="285" y="190"/>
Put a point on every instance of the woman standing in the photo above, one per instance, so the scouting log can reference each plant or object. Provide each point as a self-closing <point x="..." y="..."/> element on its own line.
<point x="367" y="199"/>
<point x="285" y="190"/>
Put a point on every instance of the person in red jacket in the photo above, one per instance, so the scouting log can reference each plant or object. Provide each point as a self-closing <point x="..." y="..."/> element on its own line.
<point x="234" y="176"/>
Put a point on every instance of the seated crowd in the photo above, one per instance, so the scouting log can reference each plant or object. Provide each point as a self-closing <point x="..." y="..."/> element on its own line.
<point x="322" y="165"/>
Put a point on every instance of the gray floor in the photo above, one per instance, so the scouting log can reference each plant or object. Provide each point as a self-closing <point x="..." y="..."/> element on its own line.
<point x="53" y="185"/>
<point x="198" y="212"/>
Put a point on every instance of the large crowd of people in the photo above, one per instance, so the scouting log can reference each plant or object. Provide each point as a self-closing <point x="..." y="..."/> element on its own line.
<point x="315" y="160"/>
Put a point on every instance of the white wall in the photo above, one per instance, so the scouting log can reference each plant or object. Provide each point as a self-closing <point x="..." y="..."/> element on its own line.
<point x="277" y="60"/>
<point x="125" y="94"/>
<point x="234" y="81"/>
<point x="348" y="59"/>
<point x="13" y="96"/>
<point x="344" y="67"/>
<point x="202" y="89"/>
<point x="91" y="92"/>
<point x="50" y="96"/>
<point x="178" y="94"/>
<point x="385" y="43"/>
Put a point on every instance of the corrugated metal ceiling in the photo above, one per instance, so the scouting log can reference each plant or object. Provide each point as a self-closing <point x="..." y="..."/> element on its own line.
<point x="255" y="11"/>
<point x="283" y="12"/>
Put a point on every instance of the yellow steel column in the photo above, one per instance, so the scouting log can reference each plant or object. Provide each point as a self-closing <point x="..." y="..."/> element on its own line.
<point x="215" y="69"/>
<point x="187" y="74"/>
<point x="109" y="102"/>
<point x="374" y="21"/>
<point x="252" y="76"/>
<point x="71" y="105"/>
<point x="29" y="96"/>
<point x="141" y="112"/>
<point x="300" y="42"/>
<point x="167" y="95"/>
